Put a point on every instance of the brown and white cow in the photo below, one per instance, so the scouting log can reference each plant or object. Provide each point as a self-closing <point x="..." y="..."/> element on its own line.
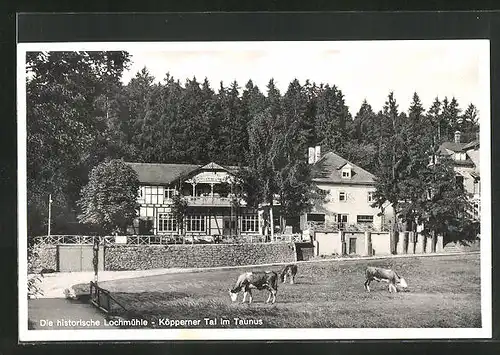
<point x="378" y="274"/>
<point x="290" y="271"/>
<point x="260" y="280"/>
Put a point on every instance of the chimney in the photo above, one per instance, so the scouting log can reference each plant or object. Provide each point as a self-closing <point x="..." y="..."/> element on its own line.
<point x="457" y="137"/>
<point x="317" y="153"/>
<point x="311" y="155"/>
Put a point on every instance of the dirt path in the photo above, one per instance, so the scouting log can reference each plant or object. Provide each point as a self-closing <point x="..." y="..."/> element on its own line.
<point x="57" y="313"/>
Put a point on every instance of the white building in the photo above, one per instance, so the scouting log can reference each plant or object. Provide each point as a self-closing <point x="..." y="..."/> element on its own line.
<point x="349" y="195"/>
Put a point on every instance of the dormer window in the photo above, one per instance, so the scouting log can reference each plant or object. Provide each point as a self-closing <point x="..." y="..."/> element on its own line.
<point x="460" y="156"/>
<point x="346" y="172"/>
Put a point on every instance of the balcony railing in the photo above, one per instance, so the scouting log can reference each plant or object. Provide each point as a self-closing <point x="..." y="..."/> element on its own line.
<point x="208" y="201"/>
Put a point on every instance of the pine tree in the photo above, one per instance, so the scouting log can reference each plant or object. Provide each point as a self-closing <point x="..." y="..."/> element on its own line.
<point x="391" y="164"/>
<point x="469" y="123"/>
<point x="332" y="119"/>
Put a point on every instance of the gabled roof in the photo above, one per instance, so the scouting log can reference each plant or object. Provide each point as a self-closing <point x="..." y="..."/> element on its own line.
<point x="213" y="166"/>
<point x="474" y="156"/>
<point x="150" y="173"/>
<point x="162" y="174"/>
<point x="472" y="145"/>
<point x="327" y="170"/>
<point x="453" y="146"/>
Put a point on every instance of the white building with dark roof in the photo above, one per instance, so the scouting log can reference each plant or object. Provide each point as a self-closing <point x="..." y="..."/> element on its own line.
<point x="349" y="194"/>
<point x="465" y="157"/>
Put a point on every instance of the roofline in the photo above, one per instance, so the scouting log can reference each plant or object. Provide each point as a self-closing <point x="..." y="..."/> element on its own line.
<point x="328" y="181"/>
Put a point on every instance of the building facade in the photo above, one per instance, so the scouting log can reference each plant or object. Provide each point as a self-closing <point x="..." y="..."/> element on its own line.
<point x="214" y="208"/>
<point x="465" y="157"/>
<point x="348" y="191"/>
<point x="210" y="192"/>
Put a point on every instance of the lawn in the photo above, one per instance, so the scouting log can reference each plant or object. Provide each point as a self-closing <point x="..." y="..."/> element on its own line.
<point x="444" y="292"/>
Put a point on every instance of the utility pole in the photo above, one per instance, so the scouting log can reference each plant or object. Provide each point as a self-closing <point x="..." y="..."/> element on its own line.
<point x="50" y="207"/>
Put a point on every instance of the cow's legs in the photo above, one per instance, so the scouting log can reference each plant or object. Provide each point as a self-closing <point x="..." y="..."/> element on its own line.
<point x="392" y="287"/>
<point x="244" y="297"/>
<point x="284" y="278"/>
<point x="274" y="295"/>
<point x="250" y="299"/>
<point x="269" y="298"/>
<point x="292" y="280"/>
<point x="367" y="285"/>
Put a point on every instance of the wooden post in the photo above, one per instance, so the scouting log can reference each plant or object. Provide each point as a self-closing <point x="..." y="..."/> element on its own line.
<point x="368" y="243"/>
<point x="406" y="242"/>
<point x="271" y="217"/>
<point x="341" y="242"/>
<point x="50" y="208"/>
<point x="95" y="260"/>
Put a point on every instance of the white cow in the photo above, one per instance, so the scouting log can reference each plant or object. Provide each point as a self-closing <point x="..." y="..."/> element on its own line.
<point x="386" y="275"/>
<point x="259" y="280"/>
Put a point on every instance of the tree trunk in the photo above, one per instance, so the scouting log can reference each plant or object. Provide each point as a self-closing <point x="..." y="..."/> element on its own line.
<point x="271" y="221"/>
<point x="433" y="241"/>
<point x="394" y="231"/>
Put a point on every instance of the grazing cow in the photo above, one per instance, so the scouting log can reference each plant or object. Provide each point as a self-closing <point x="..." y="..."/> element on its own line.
<point x="386" y="275"/>
<point x="259" y="280"/>
<point x="289" y="270"/>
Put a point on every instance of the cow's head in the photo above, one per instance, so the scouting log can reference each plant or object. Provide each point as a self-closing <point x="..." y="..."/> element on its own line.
<point x="282" y="276"/>
<point x="233" y="295"/>
<point x="402" y="283"/>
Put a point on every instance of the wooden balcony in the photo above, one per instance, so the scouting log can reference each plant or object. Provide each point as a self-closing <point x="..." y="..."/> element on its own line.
<point x="208" y="201"/>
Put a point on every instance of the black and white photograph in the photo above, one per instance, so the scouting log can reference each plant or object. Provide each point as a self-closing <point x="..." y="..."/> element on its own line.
<point x="254" y="190"/>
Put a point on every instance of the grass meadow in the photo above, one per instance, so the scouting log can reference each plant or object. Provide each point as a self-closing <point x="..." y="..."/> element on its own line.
<point x="444" y="292"/>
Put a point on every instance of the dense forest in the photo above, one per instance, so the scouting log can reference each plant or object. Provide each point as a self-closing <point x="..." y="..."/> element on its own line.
<point x="79" y="114"/>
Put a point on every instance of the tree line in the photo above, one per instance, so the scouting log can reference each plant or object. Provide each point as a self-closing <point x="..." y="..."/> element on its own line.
<point x="80" y="114"/>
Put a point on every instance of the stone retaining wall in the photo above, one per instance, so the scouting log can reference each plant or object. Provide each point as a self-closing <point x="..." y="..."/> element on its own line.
<point x="127" y="257"/>
<point x="47" y="258"/>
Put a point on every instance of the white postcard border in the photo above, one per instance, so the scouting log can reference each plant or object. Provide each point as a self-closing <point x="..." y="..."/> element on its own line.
<point x="485" y="332"/>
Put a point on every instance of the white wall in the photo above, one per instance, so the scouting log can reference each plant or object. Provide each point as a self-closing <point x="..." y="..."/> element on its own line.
<point x="356" y="203"/>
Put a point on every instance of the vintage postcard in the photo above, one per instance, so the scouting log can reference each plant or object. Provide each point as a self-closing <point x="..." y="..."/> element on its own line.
<point x="254" y="190"/>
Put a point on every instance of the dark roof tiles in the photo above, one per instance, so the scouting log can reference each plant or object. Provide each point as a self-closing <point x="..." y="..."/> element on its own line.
<point x="161" y="173"/>
<point x="327" y="170"/>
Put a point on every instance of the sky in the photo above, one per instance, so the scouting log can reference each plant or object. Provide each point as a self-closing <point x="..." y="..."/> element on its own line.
<point x="360" y="69"/>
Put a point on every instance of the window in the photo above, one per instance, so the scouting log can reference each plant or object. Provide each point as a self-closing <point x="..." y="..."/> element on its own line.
<point x="341" y="220"/>
<point x="195" y="223"/>
<point x="166" y="222"/>
<point x="477" y="186"/>
<point x="169" y="193"/>
<point x="370" y="196"/>
<point x="249" y="223"/>
<point x="342" y="196"/>
<point x="346" y="174"/>
<point x="476" y="211"/>
<point x="364" y="219"/>
<point x="153" y="194"/>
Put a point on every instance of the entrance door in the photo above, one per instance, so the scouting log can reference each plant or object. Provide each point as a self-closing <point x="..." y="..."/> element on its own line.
<point x="341" y="220"/>
<point x="352" y="245"/>
<point x="229" y="227"/>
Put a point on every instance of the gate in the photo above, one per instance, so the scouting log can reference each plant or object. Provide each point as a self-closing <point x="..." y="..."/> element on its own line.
<point x="102" y="298"/>
<point x="78" y="257"/>
<point x="352" y="245"/>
